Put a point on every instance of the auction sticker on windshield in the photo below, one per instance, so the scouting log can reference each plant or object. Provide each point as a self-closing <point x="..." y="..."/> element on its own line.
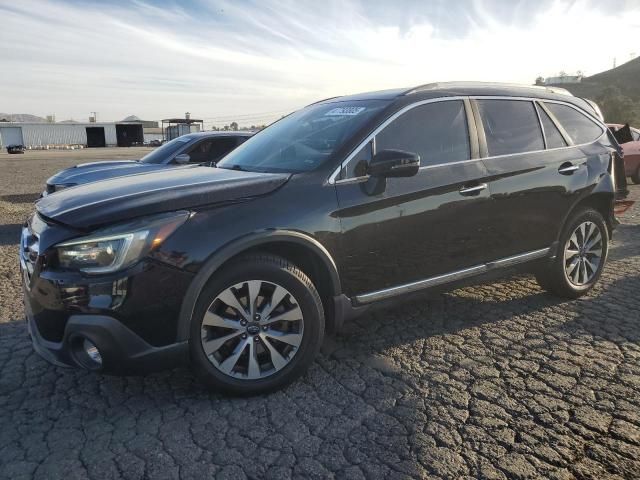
<point x="345" y="111"/>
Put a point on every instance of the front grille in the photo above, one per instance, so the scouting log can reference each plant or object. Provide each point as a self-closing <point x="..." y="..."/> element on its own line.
<point x="50" y="323"/>
<point x="51" y="188"/>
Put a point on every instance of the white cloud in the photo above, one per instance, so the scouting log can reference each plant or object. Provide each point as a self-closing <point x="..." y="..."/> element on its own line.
<point x="222" y="59"/>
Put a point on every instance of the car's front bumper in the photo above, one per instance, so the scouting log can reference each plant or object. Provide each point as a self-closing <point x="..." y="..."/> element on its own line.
<point x="121" y="350"/>
<point x="130" y="316"/>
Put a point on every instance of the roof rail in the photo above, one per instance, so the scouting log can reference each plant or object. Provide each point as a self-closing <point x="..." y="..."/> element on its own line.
<point x="320" y="101"/>
<point x="439" y="85"/>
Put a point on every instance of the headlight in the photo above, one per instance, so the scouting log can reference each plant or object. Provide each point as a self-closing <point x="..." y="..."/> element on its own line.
<point x="117" y="247"/>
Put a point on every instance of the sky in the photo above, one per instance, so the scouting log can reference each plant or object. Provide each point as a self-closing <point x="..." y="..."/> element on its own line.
<point x="254" y="61"/>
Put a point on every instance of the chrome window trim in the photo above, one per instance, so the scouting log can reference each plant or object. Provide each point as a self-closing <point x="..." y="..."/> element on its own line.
<point x="332" y="180"/>
<point x="541" y="107"/>
<point x="449" y="277"/>
<point x="544" y="133"/>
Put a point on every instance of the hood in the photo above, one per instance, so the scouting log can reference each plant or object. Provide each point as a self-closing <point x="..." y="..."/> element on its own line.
<point x="123" y="198"/>
<point x="92" y="172"/>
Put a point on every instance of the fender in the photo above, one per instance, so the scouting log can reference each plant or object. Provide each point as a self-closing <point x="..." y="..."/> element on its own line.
<point x="604" y="187"/>
<point x="237" y="246"/>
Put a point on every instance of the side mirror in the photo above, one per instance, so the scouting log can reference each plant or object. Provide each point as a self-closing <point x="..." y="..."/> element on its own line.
<point x="394" y="163"/>
<point x="182" y="158"/>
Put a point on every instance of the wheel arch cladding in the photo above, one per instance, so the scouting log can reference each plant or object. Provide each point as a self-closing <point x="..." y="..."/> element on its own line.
<point x="600" y="200"/>
<point x="304" y="251"/>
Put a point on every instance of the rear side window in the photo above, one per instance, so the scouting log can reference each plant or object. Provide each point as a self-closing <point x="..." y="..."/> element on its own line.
<point x="551" y="132"/>
<point x="437" y="131"/>
<point x="510" y="126"/>
<point x="580" y="128"/>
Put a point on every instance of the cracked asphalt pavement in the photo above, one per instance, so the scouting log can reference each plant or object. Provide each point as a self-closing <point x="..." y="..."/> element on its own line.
<point x="496" y="381"/>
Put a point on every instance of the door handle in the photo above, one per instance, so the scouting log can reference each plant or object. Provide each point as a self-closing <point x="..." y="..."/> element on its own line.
<point x="568" y="168"/>
<point x="473" y="190"/>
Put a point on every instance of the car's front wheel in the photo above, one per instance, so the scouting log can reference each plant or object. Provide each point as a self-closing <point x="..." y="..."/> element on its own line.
<point x="581" y="256"/>
<point x="257" y="326"/>
<point x="635" y="178"/>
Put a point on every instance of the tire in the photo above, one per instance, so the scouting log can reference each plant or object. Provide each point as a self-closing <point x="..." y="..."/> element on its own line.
<point x="281" y="350"/>
<point x="559" y="278"/>
<point x="635" y="178"/>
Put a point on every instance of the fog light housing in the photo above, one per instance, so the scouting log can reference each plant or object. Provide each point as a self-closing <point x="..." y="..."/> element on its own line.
<point x="92" y="352"/>
<point x="86" y="353"/>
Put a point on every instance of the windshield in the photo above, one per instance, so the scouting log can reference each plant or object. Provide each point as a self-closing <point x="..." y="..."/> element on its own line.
<point x="160" y="154"/>
<point x="303" y="140"/>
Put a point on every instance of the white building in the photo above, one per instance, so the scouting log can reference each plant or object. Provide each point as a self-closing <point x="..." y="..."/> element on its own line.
<point x="563" y="79"/>
<point x="39" y="135"/>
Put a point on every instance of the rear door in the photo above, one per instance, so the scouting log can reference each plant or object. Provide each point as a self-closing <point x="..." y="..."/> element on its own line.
<point x="402" y="230"/>
<point x="537" y="169"/>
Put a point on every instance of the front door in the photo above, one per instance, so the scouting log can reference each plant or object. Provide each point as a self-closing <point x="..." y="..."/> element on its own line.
<point x="402" y="230"/>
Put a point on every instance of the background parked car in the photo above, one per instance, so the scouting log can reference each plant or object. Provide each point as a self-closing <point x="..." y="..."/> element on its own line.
<point x="203" y="148"/>
<point x="629" y="140"/>
<point x="15" y="148"/>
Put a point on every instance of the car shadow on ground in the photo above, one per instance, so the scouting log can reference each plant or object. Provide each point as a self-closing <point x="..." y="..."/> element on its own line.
<point x="625" y="243"/>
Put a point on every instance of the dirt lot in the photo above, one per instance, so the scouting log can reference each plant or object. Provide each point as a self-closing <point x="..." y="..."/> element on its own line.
<point x="494" y="381"/>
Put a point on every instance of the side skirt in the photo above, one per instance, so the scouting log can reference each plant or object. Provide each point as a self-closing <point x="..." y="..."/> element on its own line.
<point x="386" y="293"/>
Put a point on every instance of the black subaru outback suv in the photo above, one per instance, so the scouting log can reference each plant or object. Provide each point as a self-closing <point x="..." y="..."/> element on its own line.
<point x="240" y="269"/>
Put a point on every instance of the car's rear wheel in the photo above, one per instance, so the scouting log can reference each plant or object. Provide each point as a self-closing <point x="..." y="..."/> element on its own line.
<point x="635" y="178"/>
<point x="581" y="256"/>
<point x="257" y="326"/>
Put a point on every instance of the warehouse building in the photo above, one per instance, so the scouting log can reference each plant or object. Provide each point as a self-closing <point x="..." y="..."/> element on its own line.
<point x="42" y="135"/>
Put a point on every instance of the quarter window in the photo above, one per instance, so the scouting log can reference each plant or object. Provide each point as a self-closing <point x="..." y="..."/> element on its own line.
<point x="510" y="126"/>
<point x="578" y="126"/>
<point x="551" y="132"/>
<point x="436" y="131"/>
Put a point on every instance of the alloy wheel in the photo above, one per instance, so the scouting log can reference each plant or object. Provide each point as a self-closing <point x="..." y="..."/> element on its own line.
<point x="252" y="329"/>
<point x="583" y="253"/>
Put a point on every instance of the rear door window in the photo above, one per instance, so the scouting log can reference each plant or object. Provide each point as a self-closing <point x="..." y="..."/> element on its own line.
<point x="221" y="147"/>
<point x="211" y="150"/>
<point x="510" y="126"/>
<point x="436" y="131"/>
<point x="578" y="126"/>
<point x="551" y="132"/>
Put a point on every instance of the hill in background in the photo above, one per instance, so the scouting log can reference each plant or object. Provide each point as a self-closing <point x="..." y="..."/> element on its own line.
<point x="617" y="92"/>
<point x="22" y="117"/>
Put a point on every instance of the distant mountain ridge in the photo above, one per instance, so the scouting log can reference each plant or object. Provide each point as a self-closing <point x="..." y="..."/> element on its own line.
<point x="626" y="78"/>
<point x="22" y="117"/>
<point x="617" y="91"/>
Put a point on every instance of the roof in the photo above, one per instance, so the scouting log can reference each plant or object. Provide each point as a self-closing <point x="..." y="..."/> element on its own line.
<point x="433" y="90"/>
<point x="215" y="133"/>
<point x="452" y="89"/>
